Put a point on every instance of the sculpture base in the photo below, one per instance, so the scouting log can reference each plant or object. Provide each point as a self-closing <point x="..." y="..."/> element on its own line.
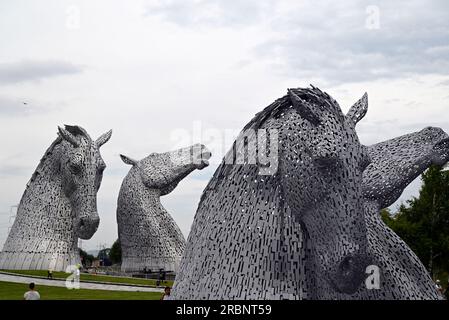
<point x="138" y="264"/>
<point x="37" y="261"/>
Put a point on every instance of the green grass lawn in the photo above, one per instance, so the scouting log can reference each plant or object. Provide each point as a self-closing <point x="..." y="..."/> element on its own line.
<point x="91" y="277"/>
<point x="15" y="291"/>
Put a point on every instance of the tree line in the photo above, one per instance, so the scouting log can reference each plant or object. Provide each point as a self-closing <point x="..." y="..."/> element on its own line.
<point x="423" y="223"/>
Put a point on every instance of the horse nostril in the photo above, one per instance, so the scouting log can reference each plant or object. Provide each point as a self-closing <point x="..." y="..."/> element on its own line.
<point x="352" y="263"/>
<point x="84" y="222"/>
<point x="96" y="220"/>
<point x="350" y="273"/>
<point x="346" y="265"/>
<point x="206" y="155"/>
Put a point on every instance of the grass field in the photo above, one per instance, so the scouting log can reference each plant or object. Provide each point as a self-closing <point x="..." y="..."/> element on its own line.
<point x="91" y="277"/>
<point x="15" y="291"/>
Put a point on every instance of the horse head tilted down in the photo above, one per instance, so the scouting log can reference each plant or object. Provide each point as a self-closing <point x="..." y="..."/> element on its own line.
<point x="148" y="235"/>
<point x="295" y="232"/>
<point x="395" y="164"/>
<point x="59" y="204"/>
<point x="81" y="173"/>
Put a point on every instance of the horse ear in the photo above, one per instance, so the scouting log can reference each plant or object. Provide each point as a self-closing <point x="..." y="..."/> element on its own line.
<point x="67" y="136"/>
<point x="128" y="160"/>
<point x="303" y="108"/>
<point x="358" y="110"/>
<point x="103" y="138"/>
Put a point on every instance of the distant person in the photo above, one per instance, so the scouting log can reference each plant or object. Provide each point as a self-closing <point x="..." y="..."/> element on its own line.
<point x="166" y="294"/>
<point x="162" y="275"/>
<point x="77" y="273"/>
<point x="32" y="294"/>
<point x="439" y="287"/>
<point x="50" y="274"/>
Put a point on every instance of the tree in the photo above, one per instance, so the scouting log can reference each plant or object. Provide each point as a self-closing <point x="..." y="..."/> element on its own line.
<point x="86" y="258"/>
<point x="115" y="255"/>
<point x="423" y="223"/>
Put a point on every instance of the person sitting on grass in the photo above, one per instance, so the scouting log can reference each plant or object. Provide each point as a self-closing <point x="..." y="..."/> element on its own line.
<point x="166" y="294"/>
<point x="31" y="294"/>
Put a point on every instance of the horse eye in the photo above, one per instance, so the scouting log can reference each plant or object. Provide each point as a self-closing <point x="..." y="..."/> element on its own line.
<point x="365" y="164"/>
<point x="325" y="163"/>
<point x="366" y="161"/>
<point x="75" y="168"/>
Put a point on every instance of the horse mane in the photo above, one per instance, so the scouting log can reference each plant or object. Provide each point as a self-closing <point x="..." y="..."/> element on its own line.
<point x="75" y="130"/>
<point x="274" y="110"/>
<point x="47" y="153"/>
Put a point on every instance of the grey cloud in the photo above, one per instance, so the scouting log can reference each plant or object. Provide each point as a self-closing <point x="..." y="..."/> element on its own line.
<point x="444" y="83"/>
<point x="419" y="126"/>
<point x="376" y="131"/>
<point x="218" y="13"/>
<point x="29" y="70"/>
<point x="335" y="45"/>
<point x="15" y="170"/>
<point x="329" y="40"/>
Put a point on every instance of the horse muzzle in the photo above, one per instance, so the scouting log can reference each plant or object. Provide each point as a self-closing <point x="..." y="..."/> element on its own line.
<point x="350" y="273"/>
<point x="87" y="226"/>
<point x="202" y="159"/>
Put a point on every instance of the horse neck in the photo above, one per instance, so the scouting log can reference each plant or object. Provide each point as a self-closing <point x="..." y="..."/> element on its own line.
<point x="145" y="201"/>
<point x="147" y="211"/>
<point x="146" y="198"/>
<point x="43" y="203"/>
<point x="396" y="171"/>
<point x="411" y="170"/>
<point x="150" y="200"/>
<point x="257" y="221"/>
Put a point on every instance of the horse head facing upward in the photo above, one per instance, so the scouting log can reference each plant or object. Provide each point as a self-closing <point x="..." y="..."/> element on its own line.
<point x="82" y="169"/>
<point x="253" y="234"/>
<point x="399" y="161"/>
<point x="59" y="204"/>
<point x="396" y="163"/>
<point x="149" y="236"/>
<point x="163" y="171"/>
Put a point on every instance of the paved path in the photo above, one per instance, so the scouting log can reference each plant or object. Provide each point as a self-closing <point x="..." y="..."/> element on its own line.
<point x="83" y="285"/>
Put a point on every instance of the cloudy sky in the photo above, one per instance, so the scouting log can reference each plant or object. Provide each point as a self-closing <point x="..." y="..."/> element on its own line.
<point x="157" y="70"/>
